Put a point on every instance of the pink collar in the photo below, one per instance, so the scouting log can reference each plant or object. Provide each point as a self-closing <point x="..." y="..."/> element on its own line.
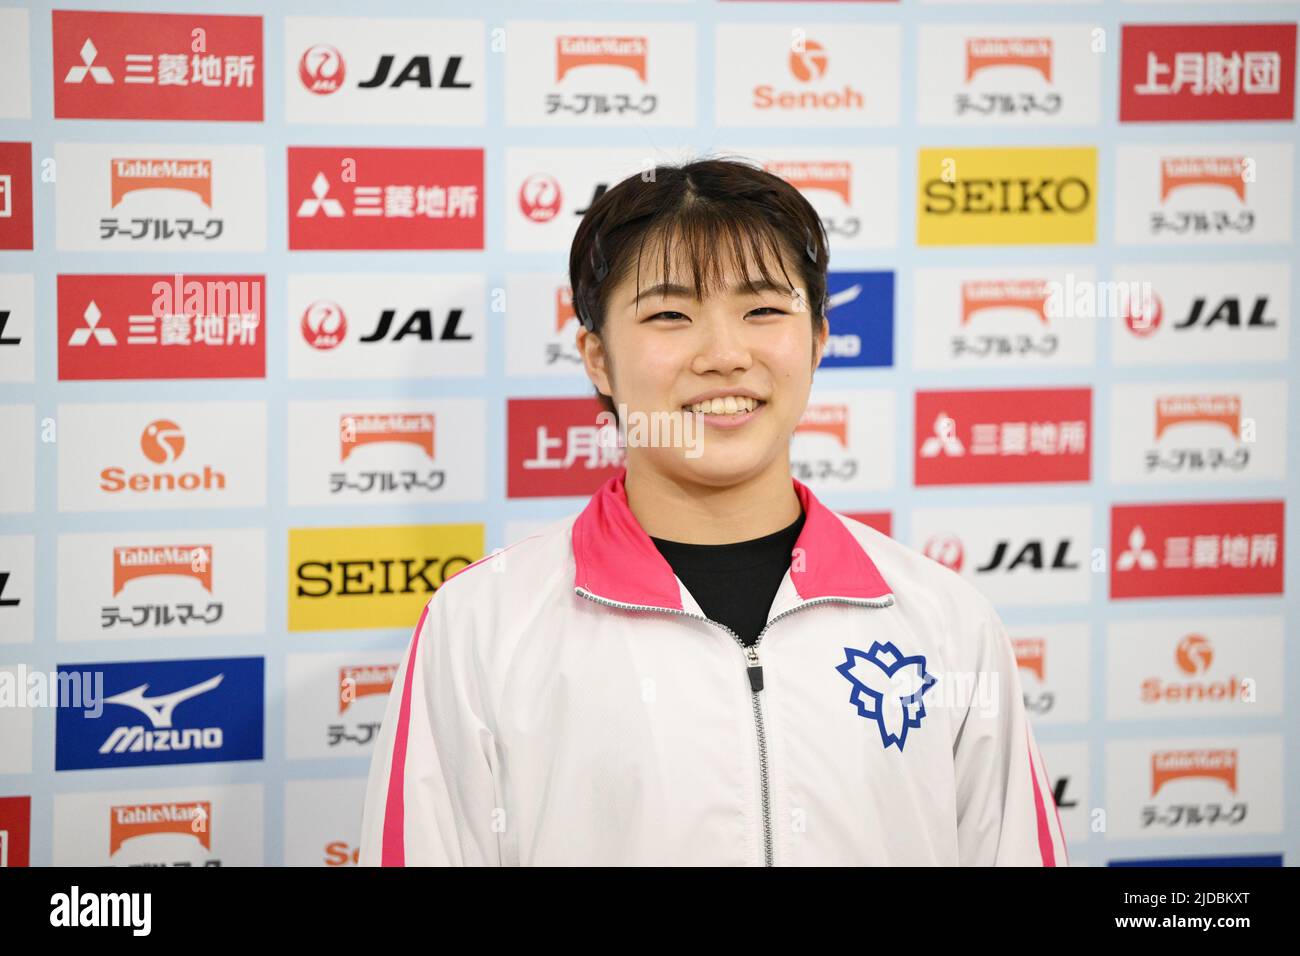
<point x="616" y="559"/>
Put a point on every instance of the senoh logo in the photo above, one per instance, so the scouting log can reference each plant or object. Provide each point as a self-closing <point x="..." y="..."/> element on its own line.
<point x="160" y="66"/>
<point x="165" y="712"/>
<point x="15" y="195"/>
<point x="1006" y="196"/>
<point x="1194" y="657"/>
<point x="808" y="65"/>
<point x="1207" y="72"/>
<point x="372" y="198"/>
<point x="141" y="561"/>
<point x="368" y="577"/>
<point x="554" y="447"/>
<point x="163" y="443"/>
<point x="155" y="326"/>
<point x="1197" y="549"/>
<point x="991" y="436"/>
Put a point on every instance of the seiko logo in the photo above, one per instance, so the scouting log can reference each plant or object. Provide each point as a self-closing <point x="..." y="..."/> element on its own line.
<point x="383" y="576"/>
<point x="1007" y="196"/>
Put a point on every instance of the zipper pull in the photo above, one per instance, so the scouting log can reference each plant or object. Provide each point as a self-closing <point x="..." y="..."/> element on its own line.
<point x="755" y="669"/>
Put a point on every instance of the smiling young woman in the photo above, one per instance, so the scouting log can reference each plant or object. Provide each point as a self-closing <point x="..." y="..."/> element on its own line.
<point x="707" y="666"/>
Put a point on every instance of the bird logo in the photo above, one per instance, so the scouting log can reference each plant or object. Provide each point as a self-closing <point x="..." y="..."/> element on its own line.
<point x="888" y="689"/>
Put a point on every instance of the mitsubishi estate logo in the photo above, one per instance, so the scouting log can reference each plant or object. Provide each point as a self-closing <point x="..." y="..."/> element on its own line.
<point x="887" y="688"/>
<point x="320" y="200"/>
<point x="100" y="74"/>
<point x="92" y="315"/>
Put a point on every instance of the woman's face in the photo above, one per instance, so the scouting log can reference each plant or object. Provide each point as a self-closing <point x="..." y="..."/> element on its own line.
<point x="665" y="351"/>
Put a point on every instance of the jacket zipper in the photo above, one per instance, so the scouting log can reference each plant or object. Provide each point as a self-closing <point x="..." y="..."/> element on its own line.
<point x="754" y="670"/>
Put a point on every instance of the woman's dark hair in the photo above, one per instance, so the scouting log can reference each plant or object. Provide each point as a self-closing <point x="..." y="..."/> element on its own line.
<point x="715" y="209"/>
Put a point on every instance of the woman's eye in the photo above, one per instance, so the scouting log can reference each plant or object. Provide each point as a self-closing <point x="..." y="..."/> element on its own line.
<point x="768" y="308"/>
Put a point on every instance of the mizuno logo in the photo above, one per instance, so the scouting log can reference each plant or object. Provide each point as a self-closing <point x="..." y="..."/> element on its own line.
<point x="159" y="709"/>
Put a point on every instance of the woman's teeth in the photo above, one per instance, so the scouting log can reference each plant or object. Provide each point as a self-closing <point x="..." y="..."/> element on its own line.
<point x="731" y="405"/>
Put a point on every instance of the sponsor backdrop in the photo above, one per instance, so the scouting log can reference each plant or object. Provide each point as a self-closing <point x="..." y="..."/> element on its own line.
<point x="285" y="341"/>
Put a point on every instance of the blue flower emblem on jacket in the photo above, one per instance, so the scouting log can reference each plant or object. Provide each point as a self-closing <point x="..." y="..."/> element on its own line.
<point x="887" y="688"/>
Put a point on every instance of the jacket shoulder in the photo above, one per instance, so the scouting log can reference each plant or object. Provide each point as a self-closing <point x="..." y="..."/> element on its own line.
<point x="914" y="578"/>
<point x="527" y="565"/>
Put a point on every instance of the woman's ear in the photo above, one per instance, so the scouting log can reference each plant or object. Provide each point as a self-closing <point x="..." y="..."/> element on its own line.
<point x="595" y="360"/>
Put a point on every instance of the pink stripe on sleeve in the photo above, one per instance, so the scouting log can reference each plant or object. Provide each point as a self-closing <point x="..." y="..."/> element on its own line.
<point x="394" y="849"/>
<point x="1045" y="849"/>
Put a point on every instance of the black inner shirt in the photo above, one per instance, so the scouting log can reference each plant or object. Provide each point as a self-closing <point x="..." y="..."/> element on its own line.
<point x="734" y="583"/>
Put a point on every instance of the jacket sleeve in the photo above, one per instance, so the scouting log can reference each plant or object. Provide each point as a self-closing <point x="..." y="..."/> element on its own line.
<point x="1006" y="814"/>
<point x="430" y="797"/>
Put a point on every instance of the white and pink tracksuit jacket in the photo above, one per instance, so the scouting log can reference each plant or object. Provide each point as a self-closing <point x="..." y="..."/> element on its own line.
<point x="565" y="701"/>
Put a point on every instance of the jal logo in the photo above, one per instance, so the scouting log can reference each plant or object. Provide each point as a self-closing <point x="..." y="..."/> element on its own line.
<point x="1230" y="312"/>
<point x="947" y="549"/>
<point x="888" y="689"/>
<point x="420" y="324"/>
<point x="1035" y="554"/>
<point x="165" y="712"/>
<point x="324" y="325"/>
<point x="321" y="69"/>
<point x="540" y="197"/>
<point x="162" y="442"/>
